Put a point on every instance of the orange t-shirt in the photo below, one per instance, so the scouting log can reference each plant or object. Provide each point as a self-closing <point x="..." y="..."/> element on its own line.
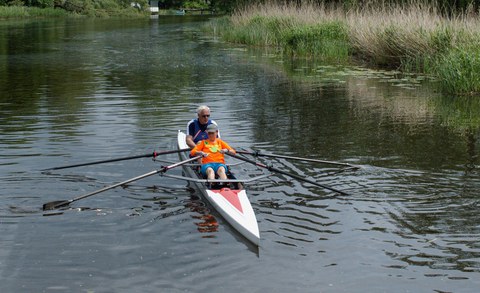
<point x="212" y="149"/>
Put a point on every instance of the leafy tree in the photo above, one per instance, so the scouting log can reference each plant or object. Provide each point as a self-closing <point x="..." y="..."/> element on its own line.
<point x="42" y="3"/>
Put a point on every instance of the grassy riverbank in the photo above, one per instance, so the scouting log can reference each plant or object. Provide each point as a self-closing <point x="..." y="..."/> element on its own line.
<point x="414" y="38"/>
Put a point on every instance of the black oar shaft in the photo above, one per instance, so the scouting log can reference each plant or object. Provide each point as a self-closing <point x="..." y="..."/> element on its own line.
<point x="154" y="154"/>
<point x="116" y="185"/>
<point x="57" y="204"/>
<point x="101" y="162"/>
<point x="297" y="158"/>
<point x="300" y="178"/>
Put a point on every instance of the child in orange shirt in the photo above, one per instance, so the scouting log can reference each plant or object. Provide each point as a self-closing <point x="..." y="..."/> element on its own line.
<point x="213" y="150"/>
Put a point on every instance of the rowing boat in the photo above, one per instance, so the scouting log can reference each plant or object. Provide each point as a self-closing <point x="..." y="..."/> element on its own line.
<point x="231" y="203"/>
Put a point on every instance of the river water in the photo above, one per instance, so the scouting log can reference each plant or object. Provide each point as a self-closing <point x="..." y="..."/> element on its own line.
<point x="77" y="91"/>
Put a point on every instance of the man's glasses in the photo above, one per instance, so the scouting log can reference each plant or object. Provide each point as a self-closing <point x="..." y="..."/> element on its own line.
<point x="205" y="116"/>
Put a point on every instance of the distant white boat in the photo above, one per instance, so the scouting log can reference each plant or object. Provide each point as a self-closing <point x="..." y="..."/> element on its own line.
<point x="180" y="12"/>
<point x="136" y="5"/>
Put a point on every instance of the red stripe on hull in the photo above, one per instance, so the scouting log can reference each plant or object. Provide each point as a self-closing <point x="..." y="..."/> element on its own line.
<point x="231" y="196"/>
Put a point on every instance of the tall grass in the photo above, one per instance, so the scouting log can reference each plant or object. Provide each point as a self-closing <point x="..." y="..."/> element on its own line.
<point x="387" y="35"/>
<point x="417" y="37"/>
<point x="299" y="31"/>
<point x="328" y="40"/>
<point x="410" y="37"/>
<point x="459" y="69"/>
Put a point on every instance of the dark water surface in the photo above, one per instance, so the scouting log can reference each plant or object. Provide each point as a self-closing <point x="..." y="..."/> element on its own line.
<point x="85" y="90"/>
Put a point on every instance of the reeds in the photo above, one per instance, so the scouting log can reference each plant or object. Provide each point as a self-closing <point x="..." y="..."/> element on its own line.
<point x="410" y="37"/>
<point x="306" y="30"/>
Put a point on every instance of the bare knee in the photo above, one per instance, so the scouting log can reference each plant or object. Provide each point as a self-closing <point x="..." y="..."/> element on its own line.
<point x="221" y="173"/>
<point x="210" y="173"/>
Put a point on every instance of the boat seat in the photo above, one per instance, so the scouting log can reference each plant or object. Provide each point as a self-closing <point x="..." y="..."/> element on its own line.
<point x="220" y="185"/>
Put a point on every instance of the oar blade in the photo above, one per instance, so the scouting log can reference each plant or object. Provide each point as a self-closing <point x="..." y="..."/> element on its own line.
<point x="53" y="205"/>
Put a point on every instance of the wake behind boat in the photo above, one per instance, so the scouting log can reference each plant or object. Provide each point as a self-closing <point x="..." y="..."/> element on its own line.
<point x="230" y="202"/>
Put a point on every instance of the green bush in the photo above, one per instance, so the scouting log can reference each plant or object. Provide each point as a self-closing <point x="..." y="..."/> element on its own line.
<point x="195" y="5"/>
<point x="106" y="4"/>
<point x="43" y="3"/>
<point x="106" y="8"/>
<point x="15" y="3"/>
<point x="76" y="6"/>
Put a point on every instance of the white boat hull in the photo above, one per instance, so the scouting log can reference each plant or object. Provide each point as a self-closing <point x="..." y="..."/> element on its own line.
<point x="232" y="204"/>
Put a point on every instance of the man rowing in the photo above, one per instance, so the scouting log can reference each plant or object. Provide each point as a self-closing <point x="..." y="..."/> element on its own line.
<point x="196" y="128"/>
<point x="213" y="150"/>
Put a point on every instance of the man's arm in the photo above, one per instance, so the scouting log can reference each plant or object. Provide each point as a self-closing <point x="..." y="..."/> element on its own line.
<point x="189" y="137"/>
<point x="189" y="140"/>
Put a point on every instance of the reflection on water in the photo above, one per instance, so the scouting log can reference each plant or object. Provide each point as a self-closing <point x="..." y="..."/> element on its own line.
<point x="87" y="90"/>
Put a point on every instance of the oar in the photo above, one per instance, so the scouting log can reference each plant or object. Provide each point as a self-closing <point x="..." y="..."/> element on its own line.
<point x="257" y="153"/>
<point x="60" y="203"/>
<point x="270" y="168"/>
<point x="154" y="154"/>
